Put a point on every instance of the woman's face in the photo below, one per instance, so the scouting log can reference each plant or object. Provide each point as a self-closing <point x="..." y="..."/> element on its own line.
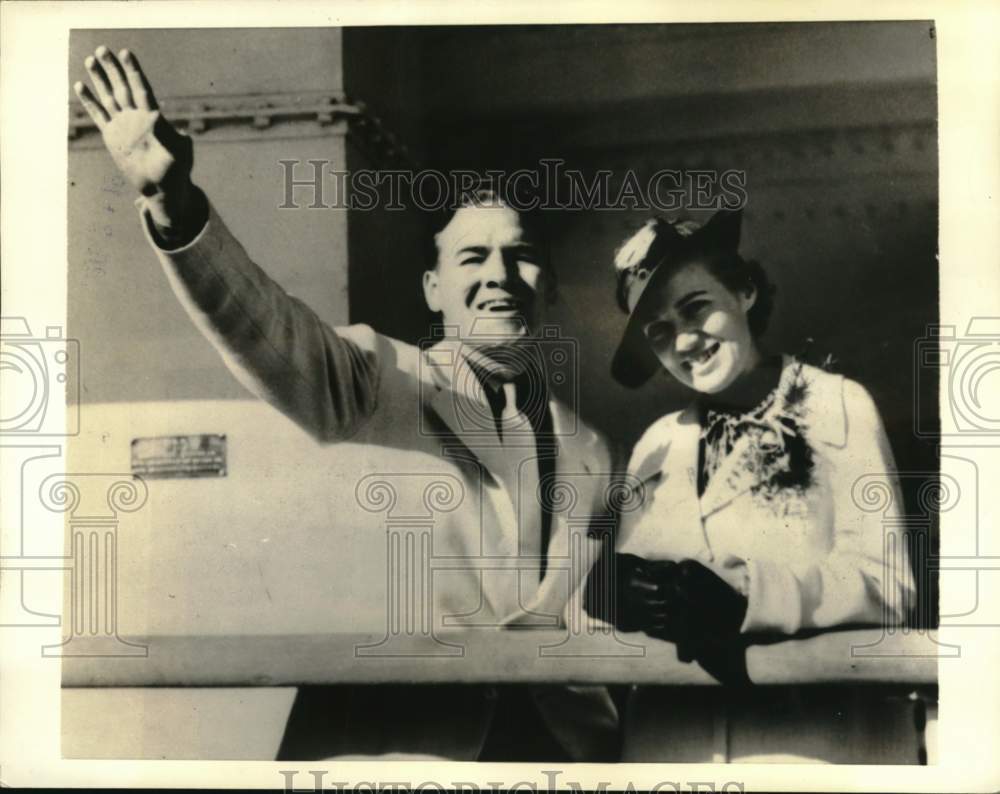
<point x="699" y="330"/>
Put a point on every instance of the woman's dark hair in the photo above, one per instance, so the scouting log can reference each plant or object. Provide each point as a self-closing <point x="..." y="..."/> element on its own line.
<point x="739" y="275"/>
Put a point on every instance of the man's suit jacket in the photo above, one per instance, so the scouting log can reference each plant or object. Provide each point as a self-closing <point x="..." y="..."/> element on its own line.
<point x="422" y="444"/>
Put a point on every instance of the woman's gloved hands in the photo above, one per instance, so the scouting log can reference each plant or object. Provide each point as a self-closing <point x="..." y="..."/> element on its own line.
<point x="714" y="607"/>
<point x="646" y="597"/>
<point x="682" y="602"/>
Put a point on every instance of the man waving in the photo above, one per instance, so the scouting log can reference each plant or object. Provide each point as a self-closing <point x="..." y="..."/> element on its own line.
<point x="474" y="408"/>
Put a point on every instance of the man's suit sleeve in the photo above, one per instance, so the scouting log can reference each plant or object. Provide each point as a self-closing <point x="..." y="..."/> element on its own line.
<point x="326" y="381"/>
<point x="866" y="576"/>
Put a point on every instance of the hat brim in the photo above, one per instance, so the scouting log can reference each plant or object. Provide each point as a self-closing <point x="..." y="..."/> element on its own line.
<point x="634" y="361"/>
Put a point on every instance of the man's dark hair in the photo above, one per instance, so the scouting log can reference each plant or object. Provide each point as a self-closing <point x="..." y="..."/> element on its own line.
<point x="487" y="193"/>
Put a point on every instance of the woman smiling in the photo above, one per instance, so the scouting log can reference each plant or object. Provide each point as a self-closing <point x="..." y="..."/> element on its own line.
<point x="747" y="524"/>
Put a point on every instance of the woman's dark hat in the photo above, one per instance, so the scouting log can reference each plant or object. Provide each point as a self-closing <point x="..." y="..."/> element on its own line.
<point x="646" y="259"/>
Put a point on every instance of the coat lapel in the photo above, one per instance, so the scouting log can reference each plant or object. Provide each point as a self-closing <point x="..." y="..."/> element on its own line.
<point x="678" y="485"/>
<point x="733" y="477"/>
<point x="574" y="479"/>
<point x="730" y="480"/>
<point x="457" y="398"/>
<point x="664" y="466"/>
<point x="573" y="492"/>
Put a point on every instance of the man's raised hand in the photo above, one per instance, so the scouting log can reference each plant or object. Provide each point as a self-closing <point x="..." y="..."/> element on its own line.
<point x="150" y="153"/>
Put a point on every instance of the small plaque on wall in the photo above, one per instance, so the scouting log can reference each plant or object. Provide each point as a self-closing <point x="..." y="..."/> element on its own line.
<point x="159" y="457"/>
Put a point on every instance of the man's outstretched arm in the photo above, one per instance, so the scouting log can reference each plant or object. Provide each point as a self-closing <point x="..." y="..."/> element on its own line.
<point x="274" y="344"/>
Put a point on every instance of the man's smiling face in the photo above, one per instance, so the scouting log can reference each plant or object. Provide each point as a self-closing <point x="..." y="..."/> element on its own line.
<point x="489" y="275"/>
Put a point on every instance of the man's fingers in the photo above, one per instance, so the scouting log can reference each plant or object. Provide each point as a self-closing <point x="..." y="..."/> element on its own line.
<point x="91" y="105"/>
<point x="119" y="85"/>
<point x="142" y="91"/>
<point x="101" y="85"/>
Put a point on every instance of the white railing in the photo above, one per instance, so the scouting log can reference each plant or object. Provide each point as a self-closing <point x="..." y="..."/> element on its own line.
<point x="508" y="656"/>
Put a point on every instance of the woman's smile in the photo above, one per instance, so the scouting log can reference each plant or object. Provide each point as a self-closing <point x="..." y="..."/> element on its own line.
<point x="699" y="329"/>
<point x="700" y="360"/>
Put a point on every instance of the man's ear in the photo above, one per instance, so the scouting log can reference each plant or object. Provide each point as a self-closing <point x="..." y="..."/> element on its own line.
<point x="748" y="298"/>
<point x="431" y="290"/>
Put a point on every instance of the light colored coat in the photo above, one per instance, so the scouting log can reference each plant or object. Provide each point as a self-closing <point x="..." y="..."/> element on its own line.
<point x="824" y="557"/>
<point x="816" y="560"/>
<point x="426" y="460"/>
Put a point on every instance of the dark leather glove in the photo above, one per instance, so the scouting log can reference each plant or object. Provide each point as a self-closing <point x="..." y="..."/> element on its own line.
<point x="715" y="607"/>
<point x="715" y="613"/>
<point x="635" y="594"/>
<point x="682" y="602"/>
